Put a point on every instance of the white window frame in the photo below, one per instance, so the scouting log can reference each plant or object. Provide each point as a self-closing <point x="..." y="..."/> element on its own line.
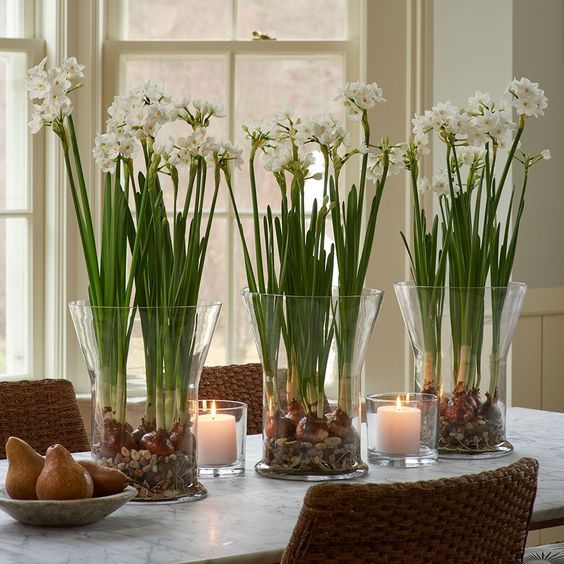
<point x="21" y="13"/>
<point x="116" y="49"/>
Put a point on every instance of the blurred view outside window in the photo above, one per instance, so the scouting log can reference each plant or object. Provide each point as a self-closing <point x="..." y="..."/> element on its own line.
<point x="16" y="219"/>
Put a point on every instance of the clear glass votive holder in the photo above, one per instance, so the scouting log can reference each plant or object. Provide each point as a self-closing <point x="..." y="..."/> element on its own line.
<point x="221" y="430"/>
<point x="402" y="429"/>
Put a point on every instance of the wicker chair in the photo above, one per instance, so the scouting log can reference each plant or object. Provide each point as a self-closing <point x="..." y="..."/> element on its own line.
<point x="238" y="382"/>
<point x="42" y="413"/>
<point x="478" y="518"/>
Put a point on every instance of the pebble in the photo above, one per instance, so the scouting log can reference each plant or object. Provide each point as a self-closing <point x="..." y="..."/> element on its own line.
<point x="332" y="441"/>
<point x="134" y="464"/>
<point x="135" y="454"/>
<point x="146" y="454"/>
<point x="125" y="452"/>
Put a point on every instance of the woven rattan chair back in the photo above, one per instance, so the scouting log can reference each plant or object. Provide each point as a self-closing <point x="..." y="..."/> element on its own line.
<point x="42" y="413"/>
<point x="479" y="518"/>
<point x="237" y="382"/>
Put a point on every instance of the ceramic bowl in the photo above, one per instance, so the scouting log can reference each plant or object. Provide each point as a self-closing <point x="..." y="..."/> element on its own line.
<point x="63" y="513"/>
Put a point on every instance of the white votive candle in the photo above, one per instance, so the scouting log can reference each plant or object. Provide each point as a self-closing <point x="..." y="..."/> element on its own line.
<point x="399" y="429"/>
<point x="217" y="438"/>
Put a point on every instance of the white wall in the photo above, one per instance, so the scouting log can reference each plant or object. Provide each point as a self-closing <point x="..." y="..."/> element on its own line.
<point x="538" y="53"/>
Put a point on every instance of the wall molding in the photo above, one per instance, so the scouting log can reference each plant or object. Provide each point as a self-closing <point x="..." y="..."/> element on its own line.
<point x="543" y="301"/>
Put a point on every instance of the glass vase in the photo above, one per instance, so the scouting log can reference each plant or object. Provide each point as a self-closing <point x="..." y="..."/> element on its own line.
<point x="460" y="339"/>
<point x="312" y="351"/>
<point x="144" y="366"/>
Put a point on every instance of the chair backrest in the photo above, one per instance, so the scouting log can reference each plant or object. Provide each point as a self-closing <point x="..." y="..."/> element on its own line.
<point x="237" y="382"/>
<point x="474" y="518"/>
<point x="42" y="413"/>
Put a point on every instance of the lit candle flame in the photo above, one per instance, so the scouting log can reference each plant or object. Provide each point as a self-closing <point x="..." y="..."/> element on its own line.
<point x="204" y="405"/>
<point x="406" y="398"/>
<point x="398" y="404"/>
<point x="441" y="392"/>
<point x="213" y="409"/>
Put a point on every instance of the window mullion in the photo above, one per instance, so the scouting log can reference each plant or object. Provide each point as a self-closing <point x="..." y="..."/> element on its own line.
<point x="231" y="290"/>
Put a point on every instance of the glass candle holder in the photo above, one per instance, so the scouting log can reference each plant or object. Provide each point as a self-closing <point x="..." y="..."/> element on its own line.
<point x="221" y="429"/>
<point x="402" y="429"/>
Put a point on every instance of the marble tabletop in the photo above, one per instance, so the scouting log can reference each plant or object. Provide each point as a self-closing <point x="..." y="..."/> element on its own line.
<point x="250" y="518"/>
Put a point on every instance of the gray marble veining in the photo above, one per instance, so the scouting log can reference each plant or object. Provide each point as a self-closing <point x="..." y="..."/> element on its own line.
<point x="252" y="517"/>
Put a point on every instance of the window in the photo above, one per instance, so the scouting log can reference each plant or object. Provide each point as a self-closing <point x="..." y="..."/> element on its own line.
<point x="21" y="218"/>
<point x="213" y="55"/>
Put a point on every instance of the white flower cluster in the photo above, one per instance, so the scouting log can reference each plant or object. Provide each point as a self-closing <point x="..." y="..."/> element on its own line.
<point x="376" y="162"/>
<point x="51" y="88"/>
<point x="140" y="115"/>
<point x="439" y="184"/>
<point x="528" y="99"/>
<point x="359" y="97"/>
<point x="327" y="131"/>
<point x="483" y="119"/>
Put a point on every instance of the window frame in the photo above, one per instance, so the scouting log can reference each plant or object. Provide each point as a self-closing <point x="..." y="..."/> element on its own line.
<point x="33" y="49"/>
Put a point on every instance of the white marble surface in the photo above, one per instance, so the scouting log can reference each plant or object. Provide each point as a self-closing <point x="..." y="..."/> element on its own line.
<point x="252" y="517"/>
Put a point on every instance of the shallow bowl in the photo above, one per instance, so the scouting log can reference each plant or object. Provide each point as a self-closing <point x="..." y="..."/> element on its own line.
<point x="66" y="512"/>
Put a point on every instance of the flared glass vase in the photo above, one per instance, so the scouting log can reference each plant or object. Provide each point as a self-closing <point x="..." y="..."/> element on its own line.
<point x="312" y="351"/>
<point x="144" y="366"/>
<point x="461" y="339"/>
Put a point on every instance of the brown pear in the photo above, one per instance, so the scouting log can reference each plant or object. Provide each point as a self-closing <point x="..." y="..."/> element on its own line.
<point x="62" y="477"/>
<point x="107" y="481"/>
<point x="24" y="469"/>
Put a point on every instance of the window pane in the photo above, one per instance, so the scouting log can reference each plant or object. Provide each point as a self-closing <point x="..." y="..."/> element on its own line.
<point x="245" y="348"/>
<point x="214" y="287"/>
<point x="11" y="18"/>
<point x="197" y="78"/>
<point x="292" y="19"/>
<point x="14" y="292"/>
<point x="14" y="132"/>
<point x="177" y="19"/>
<point x="306" y="85"/>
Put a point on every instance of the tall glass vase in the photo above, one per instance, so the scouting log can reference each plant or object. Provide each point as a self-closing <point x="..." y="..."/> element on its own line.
<point x="460" y="339"/>
<point x="312" y="351"/>
<point x="144" y="366"/>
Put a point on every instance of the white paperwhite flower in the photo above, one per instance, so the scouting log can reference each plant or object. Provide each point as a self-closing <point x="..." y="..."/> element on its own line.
<point x="545" y="154"/>
<point x="128" y="146"/>
<point x="209" y="108"/>
<point x="440" y="183"/>
<point x="528" y="99"/>
<point x="358" y="97"/>
<point x="51" y="88"/>
<point x="423" y="185"/>
<point x="304" y="132"/>
<point x="73" y="69"/>
<point x="285" y="114"/>
<point x="227" y="151"/>
<point x="363" y="148"/>
<point x="375" y="168"/>
<point x="36" y="123"/>
<point x="277" y="157"/>
<point x="468" y="154"/>
<point x="459" y="123"/>
<point x="164" y="148"/>
<point x="441" y="114"/>
<point x="106" y="151"/>
<point x="478" y="101"/>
